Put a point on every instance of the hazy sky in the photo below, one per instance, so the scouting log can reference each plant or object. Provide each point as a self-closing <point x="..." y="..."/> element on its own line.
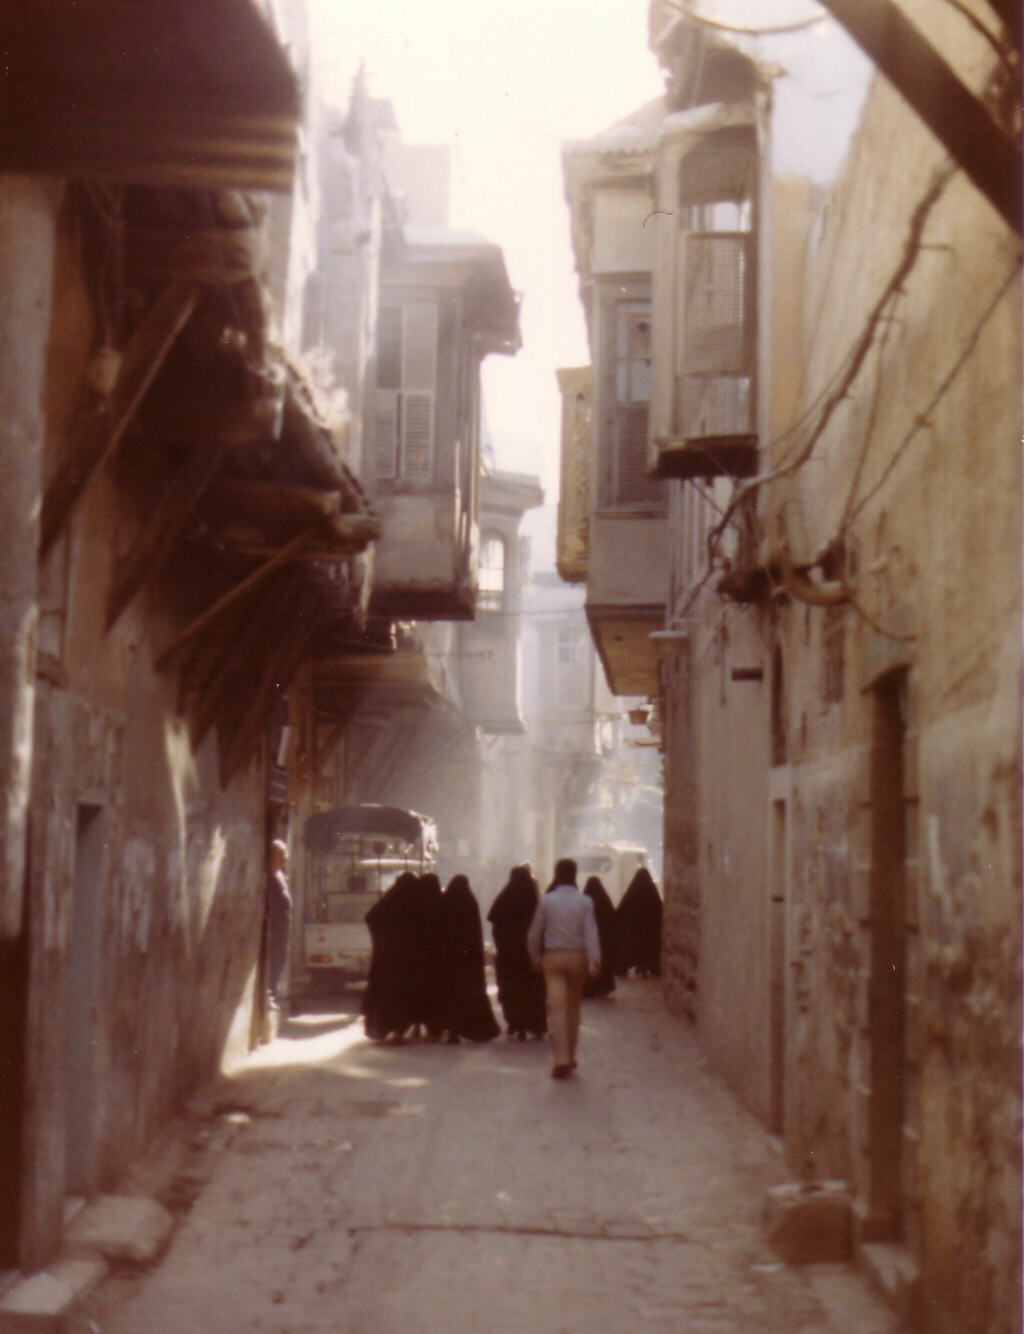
<point x="505" y="83"/>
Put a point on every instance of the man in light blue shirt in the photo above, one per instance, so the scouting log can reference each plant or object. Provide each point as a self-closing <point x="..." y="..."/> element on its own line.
<point x="564" y="945"/>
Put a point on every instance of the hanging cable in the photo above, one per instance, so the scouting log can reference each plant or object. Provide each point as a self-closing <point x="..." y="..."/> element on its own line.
<point x="687" y="11"/>
<point x="859" y="352"/>
<point x="922" y="418"/>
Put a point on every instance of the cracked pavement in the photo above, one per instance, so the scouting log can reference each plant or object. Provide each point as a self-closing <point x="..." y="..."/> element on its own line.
<point x="355" y="1188"/>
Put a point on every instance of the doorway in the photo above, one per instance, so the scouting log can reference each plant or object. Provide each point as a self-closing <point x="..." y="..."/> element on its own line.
<point x="13" y="1025"/>
<point x="777" y="956"/>
<point x="888" y="970"/>
<point x="83" y="998"/>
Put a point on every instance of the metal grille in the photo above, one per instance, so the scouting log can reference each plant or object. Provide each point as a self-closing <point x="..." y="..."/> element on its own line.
<point x="417" y="436"/>
<point x="406" y="384"/>
<point x="717" y="335"/>
<point x="632" y="483"/>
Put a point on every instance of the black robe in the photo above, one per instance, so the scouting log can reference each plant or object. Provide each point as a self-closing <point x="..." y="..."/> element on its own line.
<point x="520" y="989"/>
<point x="604" y="911"/>
<point x="390" y="1002"/>
<point x="638" y="922"/>
<point x="467" y="1009"/>
<point x="428" y="983"/>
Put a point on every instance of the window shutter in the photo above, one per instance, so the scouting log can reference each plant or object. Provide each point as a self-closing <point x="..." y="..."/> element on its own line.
<point x="419" y="384"/>
<point x="385" y="432"/>
<point x="418" y="437"/>
<point x="633" y="486"/>
<point x="389" y="348"/>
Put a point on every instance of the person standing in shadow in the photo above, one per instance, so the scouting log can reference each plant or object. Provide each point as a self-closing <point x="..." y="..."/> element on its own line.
<point x="279" y="920"/>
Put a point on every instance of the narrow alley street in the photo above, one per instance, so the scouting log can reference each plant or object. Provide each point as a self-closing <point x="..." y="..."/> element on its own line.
<point x="352" y="1188"/>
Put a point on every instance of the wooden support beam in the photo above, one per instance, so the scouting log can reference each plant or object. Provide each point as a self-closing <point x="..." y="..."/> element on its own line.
<point x="239" y="645"/>
<point x="278" y="671"/>
<point x="958" y="119"/>
<point x="1010" y="13"/>
<point x="97" y="432"/>
<point x="218" y="256"/>
<point x="280" y="557"/>
<point x="321" y="752"/>
<point x="149" y="550"/>
<point x="270" y="500"/>
<point x="257" y="514"/>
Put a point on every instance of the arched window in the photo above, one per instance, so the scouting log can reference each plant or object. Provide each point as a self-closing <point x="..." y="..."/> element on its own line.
<point x="491" y="575"/>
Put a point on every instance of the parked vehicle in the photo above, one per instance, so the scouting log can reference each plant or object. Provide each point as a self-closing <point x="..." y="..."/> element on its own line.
<point x="614" y="863"/>
<point x="354" y="854"/>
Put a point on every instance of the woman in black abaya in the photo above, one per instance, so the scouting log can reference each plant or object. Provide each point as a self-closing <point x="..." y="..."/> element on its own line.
<point x="638" y="922"/>
<point x="604" y="911"/>
<point x="390" y="1003"/>
<point x="520" y="988"/>
<point x="428" y="981"/>
<point x="467" y="1009"/>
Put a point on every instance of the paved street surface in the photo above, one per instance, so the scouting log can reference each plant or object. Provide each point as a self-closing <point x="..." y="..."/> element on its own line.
<point x="350" y="1188"/>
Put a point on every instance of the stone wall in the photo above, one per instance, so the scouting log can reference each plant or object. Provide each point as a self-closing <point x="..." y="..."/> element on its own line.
<point x="867" y="787"/>
<point x="918" y="474"/>
<point x="146" y="876"/>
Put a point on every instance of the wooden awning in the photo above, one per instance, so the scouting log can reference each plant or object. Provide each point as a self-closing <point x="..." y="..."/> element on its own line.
<point x="191" y="93"/>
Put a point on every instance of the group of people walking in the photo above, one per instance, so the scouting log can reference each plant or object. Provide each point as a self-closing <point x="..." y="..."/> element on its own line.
<point x="427" y="963"/>
<point x="427" y="967"/>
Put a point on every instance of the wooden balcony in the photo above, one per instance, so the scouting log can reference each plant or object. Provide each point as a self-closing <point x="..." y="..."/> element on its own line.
<point x="446" y="303"/>
<point x="627" y="586"/>
<point x="574" y="492"/>
<point x="707" y="456"/>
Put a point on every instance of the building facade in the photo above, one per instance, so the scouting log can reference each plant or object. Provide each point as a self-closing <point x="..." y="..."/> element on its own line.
<point x="833" y="366"/>
<point x="198" y="646"/>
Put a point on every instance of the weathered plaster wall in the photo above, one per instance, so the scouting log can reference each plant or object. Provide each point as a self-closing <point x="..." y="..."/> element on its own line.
<point x="732" y="998"/>
<point x="27" y="246"/>
<point x="924" y="487"/>
<point x="681" y="924"/>
<point x="167" y="936"/>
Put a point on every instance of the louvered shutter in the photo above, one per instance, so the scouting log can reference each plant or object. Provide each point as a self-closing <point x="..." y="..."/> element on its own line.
<point x="633" y="485"/>
<point x="385" y="433"/>
<point x="387" y="398"/>
<point x="419" y="386"/>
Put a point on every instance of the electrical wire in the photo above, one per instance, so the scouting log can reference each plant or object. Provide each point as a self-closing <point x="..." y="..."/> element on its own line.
<point x="859" y="351"/>
<point x="921" y="420"/>
<point x="687" y="11"/>
<point x="1000" y="49"/>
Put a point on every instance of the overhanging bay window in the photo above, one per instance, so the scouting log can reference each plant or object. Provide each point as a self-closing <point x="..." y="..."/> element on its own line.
<point x="707" y="427"/>
<point x="714" y="374"/>
<point x="405" y="400"/>
<point x="625" y="387"/>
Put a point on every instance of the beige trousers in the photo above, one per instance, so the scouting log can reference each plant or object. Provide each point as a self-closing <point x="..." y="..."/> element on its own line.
<point x="565" y="972"/>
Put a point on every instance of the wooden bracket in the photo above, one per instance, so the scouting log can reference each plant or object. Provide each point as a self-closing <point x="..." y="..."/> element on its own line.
<point x="96" y="434"/>
<point x="149" y="550"/>
<point x="280" y="557"/>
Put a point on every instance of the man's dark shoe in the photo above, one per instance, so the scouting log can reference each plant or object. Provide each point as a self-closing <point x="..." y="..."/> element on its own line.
<point x="561" y="1071"/>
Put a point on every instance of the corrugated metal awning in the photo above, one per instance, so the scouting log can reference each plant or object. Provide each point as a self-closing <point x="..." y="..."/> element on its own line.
<point x="192" y="93"/>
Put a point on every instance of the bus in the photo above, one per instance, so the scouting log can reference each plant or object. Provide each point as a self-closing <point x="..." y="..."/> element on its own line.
<point x="354" y="854"/>
<point x="615" y="864"/>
